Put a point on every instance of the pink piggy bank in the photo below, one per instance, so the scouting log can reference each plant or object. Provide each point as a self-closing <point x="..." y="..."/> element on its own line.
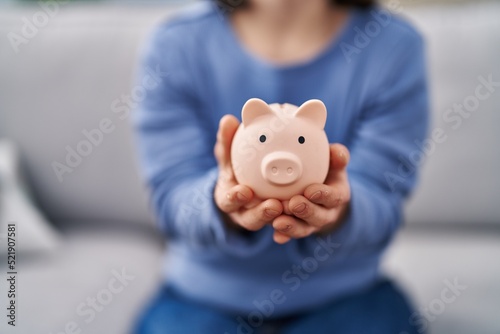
<point x="279" y="150"/>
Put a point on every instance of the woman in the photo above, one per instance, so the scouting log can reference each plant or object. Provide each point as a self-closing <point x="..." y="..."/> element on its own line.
<point x="236" y="264"/>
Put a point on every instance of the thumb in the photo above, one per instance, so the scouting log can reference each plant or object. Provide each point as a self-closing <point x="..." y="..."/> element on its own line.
<point x="227" y="128"/>
<point x="339" y="157"/>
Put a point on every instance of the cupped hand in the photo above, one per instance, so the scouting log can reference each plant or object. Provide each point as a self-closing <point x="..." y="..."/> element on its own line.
<point x="237" y="202"/>
<point x="322" y="207"/>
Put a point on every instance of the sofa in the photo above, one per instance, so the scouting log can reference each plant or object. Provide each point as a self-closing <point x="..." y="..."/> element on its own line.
<point x="64" y="66"/>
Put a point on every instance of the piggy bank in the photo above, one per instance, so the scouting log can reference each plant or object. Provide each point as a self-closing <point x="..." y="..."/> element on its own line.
<point x="280" y="149"/>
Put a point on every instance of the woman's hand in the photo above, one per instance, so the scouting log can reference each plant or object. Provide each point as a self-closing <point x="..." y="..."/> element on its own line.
<point x="236" y="201"/>
<point x="322" y="208"/>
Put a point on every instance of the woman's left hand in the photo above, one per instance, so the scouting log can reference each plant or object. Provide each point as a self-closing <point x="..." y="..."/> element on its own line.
<point x="322" y="207"/>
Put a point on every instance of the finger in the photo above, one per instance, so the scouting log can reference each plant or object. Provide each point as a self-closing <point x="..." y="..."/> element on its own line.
<point x="327" y="195"/>
<point x="255" y="218"/>
<point x="339" y="159"/>
<point x="234" y="198"/>
<point x="339" y="156"/>
<point x="292" y="227"/>
<point x="222" y="150"/>
<point x="313" y="214"/>
<point x="226" y="179"/>
<point x="286" y="208"/>
<point x="280" y="238"/>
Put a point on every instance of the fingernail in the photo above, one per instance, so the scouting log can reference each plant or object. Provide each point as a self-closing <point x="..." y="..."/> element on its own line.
<point x="286" y="228"/>
<point x="299" y="208"/>
<point x="271" y="212"/>
<point x="343" y="155"/>
<point x="241" y="197"/>
<point x="315" y="196"/>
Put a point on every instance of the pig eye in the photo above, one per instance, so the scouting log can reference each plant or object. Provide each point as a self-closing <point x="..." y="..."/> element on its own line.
<point x="302" y="140"/>
<point x="262" y="138"/>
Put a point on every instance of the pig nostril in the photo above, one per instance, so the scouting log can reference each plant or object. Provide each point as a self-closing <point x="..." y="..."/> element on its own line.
<point x="274" y="170"/>
<point x="289" y="170"/>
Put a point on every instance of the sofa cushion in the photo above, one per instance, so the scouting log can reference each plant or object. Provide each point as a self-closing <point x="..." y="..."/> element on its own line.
<point x="422" y="261"/>
<point x="452" y="276"/>
<point x="117" y="265"/>
<point x="31" y="231"/>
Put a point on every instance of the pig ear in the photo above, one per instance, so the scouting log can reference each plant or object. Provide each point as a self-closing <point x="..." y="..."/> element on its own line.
<point x="254" y="108"/>
<point x="313" y="110"/>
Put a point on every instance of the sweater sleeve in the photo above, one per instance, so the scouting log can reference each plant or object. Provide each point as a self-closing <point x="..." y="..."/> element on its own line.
<point x="175" y="138"/>
<point x="385" y="151"/>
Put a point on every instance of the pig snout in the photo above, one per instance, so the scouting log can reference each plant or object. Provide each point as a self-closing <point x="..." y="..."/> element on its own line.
<point x="281" y="168"/>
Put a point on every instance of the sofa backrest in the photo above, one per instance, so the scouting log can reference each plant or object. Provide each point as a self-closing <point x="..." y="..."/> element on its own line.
<point x="460" y="183"/>
<point x="61" y="85"/>
<point x="57" y="92"/>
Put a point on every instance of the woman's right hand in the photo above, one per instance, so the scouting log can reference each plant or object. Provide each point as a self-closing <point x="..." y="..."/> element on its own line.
<point x="237" y="201"/>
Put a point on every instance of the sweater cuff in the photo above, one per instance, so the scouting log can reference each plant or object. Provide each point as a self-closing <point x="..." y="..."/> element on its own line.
<point x="359" y="214"/>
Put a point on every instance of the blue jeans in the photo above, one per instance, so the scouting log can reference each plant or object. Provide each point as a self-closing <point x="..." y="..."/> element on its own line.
<point x="380" y="310"/>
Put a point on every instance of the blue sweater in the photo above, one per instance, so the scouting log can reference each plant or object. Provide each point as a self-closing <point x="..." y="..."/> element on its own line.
<point x="374" y="86"/>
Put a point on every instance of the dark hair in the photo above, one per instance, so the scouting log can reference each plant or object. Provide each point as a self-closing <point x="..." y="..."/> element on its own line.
<point x="354" y="3"/>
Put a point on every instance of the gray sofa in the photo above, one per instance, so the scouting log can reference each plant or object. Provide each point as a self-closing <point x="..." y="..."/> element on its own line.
<point x="64" y="81"/>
